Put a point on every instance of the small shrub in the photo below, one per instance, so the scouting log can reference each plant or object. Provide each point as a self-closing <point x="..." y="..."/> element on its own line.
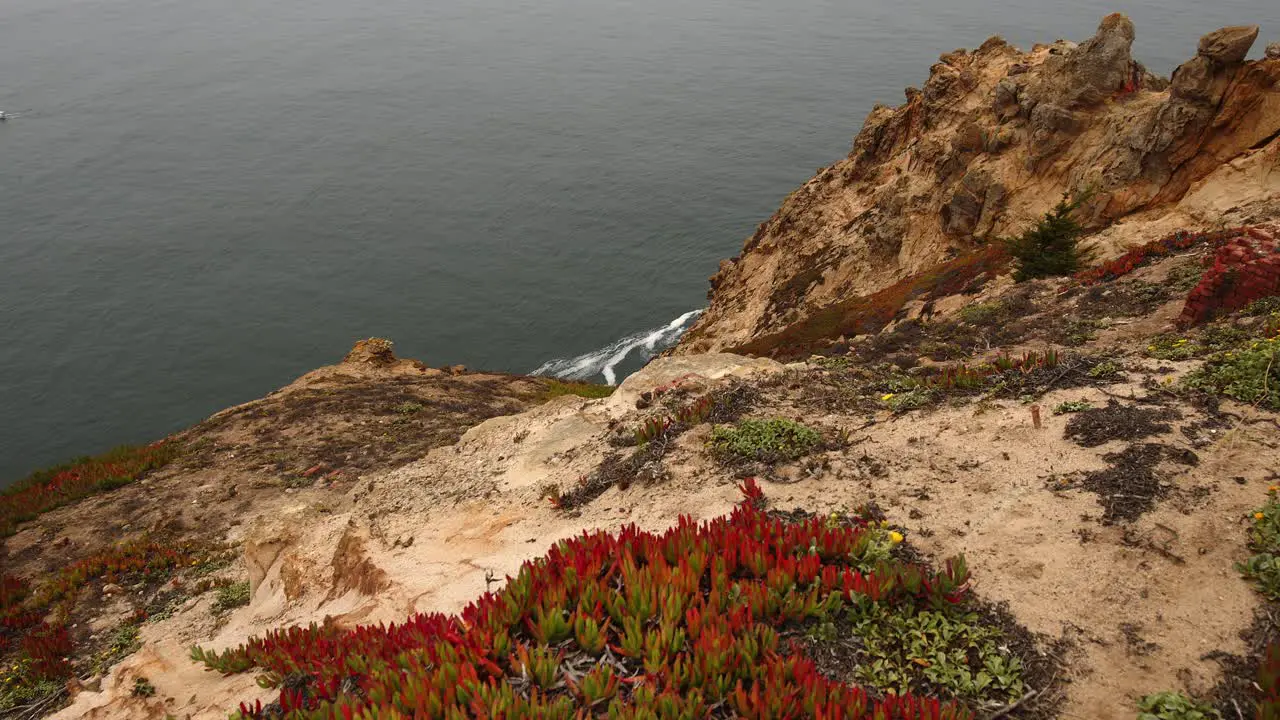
<point x="123" y="642"/>
<point x="764" y="440"/>
<point x="909" y="400"/>
<point x="408" y="408"/>
<point x="1250" y="374"/>
<point x="980" y="314"/>
<point x="1265" y="306"/>
<point x="1174" y="706"/>
<point x="1072" y="406"/>
<point x="1185" y="276"/>
<point x="19" y="687"/>
<point x="1051" y="248"/>
<point x="142" y="687"/>
<point x="832" y="362"/>
<point x="1104" y="369"/>
<point x="231" y="596"/>
<point x="1171" y="347"/>
<point x="1075" y="333"/>
<point x="1263" y="567"/>
<point x="559" y="388"/>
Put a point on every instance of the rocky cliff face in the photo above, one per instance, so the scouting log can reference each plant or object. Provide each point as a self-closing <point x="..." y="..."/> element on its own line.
<point x="995" y="137"/>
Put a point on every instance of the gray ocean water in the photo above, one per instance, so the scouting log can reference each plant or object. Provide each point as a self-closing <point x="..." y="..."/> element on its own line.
<point x="200" y="201"/>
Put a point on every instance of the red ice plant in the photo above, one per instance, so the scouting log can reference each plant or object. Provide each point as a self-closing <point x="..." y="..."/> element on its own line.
<point x="48" y="489"/>
<point x="683" y="624"/>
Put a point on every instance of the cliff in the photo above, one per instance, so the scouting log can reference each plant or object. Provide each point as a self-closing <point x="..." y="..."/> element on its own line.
<point x="1055" y="498"/>
<point x="994" y="138"/>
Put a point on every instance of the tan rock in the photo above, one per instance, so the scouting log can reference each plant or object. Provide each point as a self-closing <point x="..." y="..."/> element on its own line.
<point x="374" y="351"/>
<point x="1228" y="45"/>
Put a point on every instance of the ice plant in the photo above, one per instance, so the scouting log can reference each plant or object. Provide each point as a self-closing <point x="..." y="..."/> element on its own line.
<point x="683" y="624"/>
<point x="1143" y="254"/>
<point x="33" y="618"/>
<point x="48" y="489"/>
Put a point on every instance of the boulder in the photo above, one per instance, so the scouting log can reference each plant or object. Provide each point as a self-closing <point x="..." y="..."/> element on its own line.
<point x="1228" y="45"/>
<point x="1004" y="100"/>
<point x="961" y="213"/>
<point x="1088" y="74"/>
<point x="1273" y="51"/>
<point x="1193" y="80"/>
<point x="374" y="351"/>
<point x="1102" y="65"/>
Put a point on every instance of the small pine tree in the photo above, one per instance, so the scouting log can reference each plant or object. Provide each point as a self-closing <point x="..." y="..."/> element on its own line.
<point x="1051" y="247"/>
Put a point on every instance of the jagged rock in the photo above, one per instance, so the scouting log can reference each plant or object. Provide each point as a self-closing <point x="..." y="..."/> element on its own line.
<point x="961" y="214"/>
<point x="1048" y="118"/>
<point x="1004" y="101"/>
<point x="993" y="140"/>
<point x="1093" y="71"/>
<point x="1228" y="45"/>
<point x="1273" y="51"/>
<point x="995" y="42"/>
<point x="1193" y="80"/>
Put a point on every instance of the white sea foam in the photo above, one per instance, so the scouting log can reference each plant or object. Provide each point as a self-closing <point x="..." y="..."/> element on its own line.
<point x="605" y="360"/>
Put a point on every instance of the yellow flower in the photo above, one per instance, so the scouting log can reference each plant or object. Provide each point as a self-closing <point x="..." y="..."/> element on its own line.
<point x="895" y="536"/>
<point x="1257" y="516"/>
<point x="1274" y="488"/>
<point x="886" y="397"/>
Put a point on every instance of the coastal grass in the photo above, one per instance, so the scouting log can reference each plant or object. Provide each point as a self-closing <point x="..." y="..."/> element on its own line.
<point x="44" y="490"/>
<point x="560" y="388"/>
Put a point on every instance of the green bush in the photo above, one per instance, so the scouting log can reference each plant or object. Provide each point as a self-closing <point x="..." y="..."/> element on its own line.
<point x="1263" y="567"/>
<point x="1265" y="306"/>
<point x="1174" y="706"/>
<point x="231" y="596"/>
<point x="409" y="407"/>
<point x="1250" y="374"/>
<point x="1072" y="406"/>
<point x="1051" y="248"/>
<point x="909" y="400"/>
<point x="142" y="687"/>
<point x="981" y="313"/>
<point x="764" y="440"/>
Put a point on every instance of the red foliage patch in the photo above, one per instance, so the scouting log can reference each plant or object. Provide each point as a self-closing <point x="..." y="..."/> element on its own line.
<point x="48" y="489"/>
<point x="1244" y="269"/>
<point x="685" y="624"/>
<point x="1269" y="684"/>
<point x="1145" y="254"/>
<point x="48" y="644"/>
<point x="867" y="314"/>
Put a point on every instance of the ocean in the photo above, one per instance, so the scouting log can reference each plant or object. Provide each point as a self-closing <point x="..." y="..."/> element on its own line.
<point x="201" y="201"/>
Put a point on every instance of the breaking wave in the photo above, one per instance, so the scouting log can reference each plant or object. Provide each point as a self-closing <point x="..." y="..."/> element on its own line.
<point x="606" y="359"/>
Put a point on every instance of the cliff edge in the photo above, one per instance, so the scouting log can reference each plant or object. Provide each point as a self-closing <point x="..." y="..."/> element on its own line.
<point x="993" y="140"/>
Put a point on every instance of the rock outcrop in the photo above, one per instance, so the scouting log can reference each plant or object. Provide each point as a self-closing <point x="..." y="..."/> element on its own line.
<point x="993" y="139"/>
